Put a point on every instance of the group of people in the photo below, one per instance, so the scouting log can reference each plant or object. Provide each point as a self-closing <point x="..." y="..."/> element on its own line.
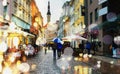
<point x="88" y="46"/>
<point x="57" y="47"/>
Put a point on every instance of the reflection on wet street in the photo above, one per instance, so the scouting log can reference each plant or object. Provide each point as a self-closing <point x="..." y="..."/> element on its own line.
<point x="44" y="64"/>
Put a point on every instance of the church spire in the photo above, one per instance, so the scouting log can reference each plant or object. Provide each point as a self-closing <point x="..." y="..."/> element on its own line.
<point x="48" y="13"/>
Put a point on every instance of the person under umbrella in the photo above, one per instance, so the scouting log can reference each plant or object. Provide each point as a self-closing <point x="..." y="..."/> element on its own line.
<point x="59" y="48"/>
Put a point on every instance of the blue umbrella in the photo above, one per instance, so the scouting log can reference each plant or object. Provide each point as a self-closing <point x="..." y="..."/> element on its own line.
<point x="56" y="40"/>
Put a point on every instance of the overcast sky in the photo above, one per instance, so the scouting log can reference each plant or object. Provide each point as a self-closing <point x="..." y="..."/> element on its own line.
<point x="55" y="8"/>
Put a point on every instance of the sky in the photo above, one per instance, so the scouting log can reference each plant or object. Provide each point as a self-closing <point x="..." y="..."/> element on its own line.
<point x="55" y="9"/>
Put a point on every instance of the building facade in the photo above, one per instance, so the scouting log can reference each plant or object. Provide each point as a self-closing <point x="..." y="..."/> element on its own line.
<point x="102" y="22"/>
<point x="17" y="15"/>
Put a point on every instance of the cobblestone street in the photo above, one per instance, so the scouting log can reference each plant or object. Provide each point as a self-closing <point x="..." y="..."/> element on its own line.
<point x="46" y="65"/>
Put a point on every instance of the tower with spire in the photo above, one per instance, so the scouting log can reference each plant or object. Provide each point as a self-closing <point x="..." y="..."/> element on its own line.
<point x="48" y="13"/>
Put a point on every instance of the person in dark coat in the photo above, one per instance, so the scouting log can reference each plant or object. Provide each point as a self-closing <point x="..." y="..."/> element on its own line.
<point x="54" y="47"/>
<point x="88" y="46"/>
<point x="81" y="46"/>
<point x="59" y="48"/>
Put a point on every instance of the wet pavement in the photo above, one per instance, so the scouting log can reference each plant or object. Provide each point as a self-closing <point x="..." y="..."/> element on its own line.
<point x="45" y="64"/>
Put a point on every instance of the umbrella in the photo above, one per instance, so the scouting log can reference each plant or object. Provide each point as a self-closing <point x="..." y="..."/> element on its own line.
<point x="57" y="40"/>
<point x="74" y="37"/>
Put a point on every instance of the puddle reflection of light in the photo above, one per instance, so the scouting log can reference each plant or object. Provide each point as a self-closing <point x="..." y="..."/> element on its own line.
<point x="33" y="66"/>
<point x="111" y="62"/>
<point x="63" y="59"/>
<point x="81" y="54"/>
<point x="82" y="70"/>
<point x="69" y="58"/>
<point x="76" y="58"/>
<point x="98" y="64"/>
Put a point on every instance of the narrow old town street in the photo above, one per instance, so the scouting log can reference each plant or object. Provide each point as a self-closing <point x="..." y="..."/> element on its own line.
<point x="45" y="64"/>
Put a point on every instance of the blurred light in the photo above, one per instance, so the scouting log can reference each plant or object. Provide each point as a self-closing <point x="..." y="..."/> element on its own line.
<point x="85" y="55"/>
<point x="7" y="17"/>
<point x="63" y="67"/>
<point x="81" y="54"/>
<point x="90" y="55"/>
<point x="24" y="67"/>
<point x="12" y="26"/>
<point x="35" y="25"/>
<point x="63" y="59"/>
<point x="83" y="26"/>
<point x="33" y="66"/>
<point x="5" y="34"/>
<point x="4" y="3"/>
<point x="1" y="67"/>
<point x="75" y="68"/>
<point x="98" y="64"/>
<point x="111" y="62"/>
<point x="16" y="41"/>
<point x="3" y="46"/>
<point x="117" y="40"/>
<point x="76" y="59"/>
<point x="69" y="58"/>
<point x="7" y="70"/>
<point x="12" y="59"/>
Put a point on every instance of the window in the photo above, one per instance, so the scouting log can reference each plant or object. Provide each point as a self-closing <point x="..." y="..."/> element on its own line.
<point x="96" y="14"/>
<point x="91" y="18"/>
<point x="91" y="1"/>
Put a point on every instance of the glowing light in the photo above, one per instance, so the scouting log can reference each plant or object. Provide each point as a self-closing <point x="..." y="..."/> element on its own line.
<point x="33" y="66"/>
<point x="69" y="58"/>
<point x="76" y="59"/>
<point x="111" y="62"/>
<point x="12" y="59"/>
<point x="98" y="64"/>
<point x="24" y="67"/>
<point x="12" y="26"/>
<point x="0" y="68"/>
<point x="35" y="25"/>
<point x="3" y="46"/>
<point x="81" y="54"/>
<point x="90" y="55"/>
<point x="16" y="41"/>
<point x="63" y="59"/>
<point x="7" y="70"/>
<point x="4" y="2"/>
<point x="85" y="55"/>
<point x="117" y="40"/>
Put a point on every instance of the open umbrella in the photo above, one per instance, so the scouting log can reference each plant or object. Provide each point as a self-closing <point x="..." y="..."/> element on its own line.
<point x="56" y="40"/>
<point x="74" y="37"/>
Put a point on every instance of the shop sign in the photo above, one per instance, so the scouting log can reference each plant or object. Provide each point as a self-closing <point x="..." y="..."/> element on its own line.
<point x="103" y="11"/>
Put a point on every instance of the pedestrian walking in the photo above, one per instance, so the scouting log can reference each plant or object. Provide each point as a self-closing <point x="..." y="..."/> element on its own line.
<point x="94" y="47"/>
<point x="88" y="46"/>
<point x="54" y="50"/>
<point x="81" y="46"/>
<point x="114" y="47"/>
<point x="59" y="49"/>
